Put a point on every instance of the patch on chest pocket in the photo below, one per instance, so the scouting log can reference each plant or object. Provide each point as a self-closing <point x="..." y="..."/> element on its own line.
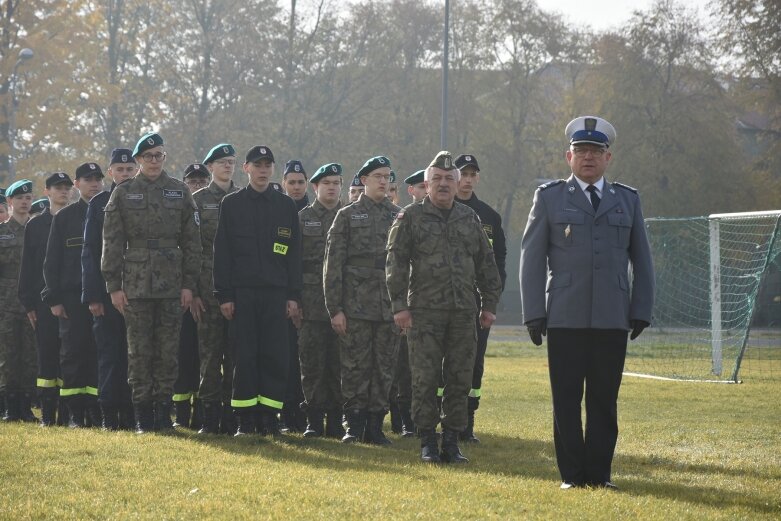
<point x="173" y="194"/>
<point x="308" y="224"/>
<point x="134" y="197"/>
<point x="488" y="229"/>
<point x="359" y="216"/>
<point x="211" y="206"/>
<point x="284" y="232"/>
<point x="280" y="248"/>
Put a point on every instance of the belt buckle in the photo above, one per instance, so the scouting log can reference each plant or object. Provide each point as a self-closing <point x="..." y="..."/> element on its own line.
<point x="152" y="243"/>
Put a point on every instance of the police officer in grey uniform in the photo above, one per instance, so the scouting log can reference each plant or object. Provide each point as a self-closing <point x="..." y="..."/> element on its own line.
<point x="580" y="238"/>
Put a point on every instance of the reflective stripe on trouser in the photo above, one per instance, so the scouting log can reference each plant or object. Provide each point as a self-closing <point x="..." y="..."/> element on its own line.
<point x="111" y="340"/>
<point x="18" y="368"/>
<point x="214" y="352"/>
<point x="188" y="361"/>
<point x="318" y="350"/>
<point x="368" y="357"/>
<point x="153" y="340"/>
<point x="401" y="390"/>
<point x="75" y="391"/>
<point x="47" y="343"/>
<point x="258" y="334"/>
<point x="441" y="345"/>
<point x="78" y="352"/>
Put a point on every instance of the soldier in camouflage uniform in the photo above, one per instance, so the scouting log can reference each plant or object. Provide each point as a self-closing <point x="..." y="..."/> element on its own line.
<point x="318" y="343"/>
<point x="214" y="345"/>
<point x="437" y="253"/>
<point x="17" y="349"/>
<point x="151" y="260"/>
<point x="357" y="301"/>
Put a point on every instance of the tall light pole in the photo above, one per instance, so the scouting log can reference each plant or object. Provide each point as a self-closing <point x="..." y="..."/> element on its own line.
<point x="445" y="61"/>
<point x="24" y="55"/>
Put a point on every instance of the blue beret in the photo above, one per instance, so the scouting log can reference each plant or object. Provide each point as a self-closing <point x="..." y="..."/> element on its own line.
<point x="57" y="178"/>
<point x="39" y="206"/>
<point x="416" y="178"/>
<point x="373" y="164"/>
<point x="89" y="170"/>
<point x="294" y="165"/>
<point x="218" y="152"/>
<point x="328" y="170"/>
<point x="121" y="155"/>
<point x="356" y="181"/>
<point x="591" y="130"/>
<point x="147" y="141"/>
<point x="21" y="187"/>
<point x="196" y="170"/>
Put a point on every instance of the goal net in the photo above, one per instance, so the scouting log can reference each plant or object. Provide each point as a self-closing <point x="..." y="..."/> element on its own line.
<point x="717" y="314"/>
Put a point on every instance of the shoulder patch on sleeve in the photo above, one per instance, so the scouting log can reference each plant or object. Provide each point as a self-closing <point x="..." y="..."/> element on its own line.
<point x="550" y="183"/>
<point x="625" y="187"/>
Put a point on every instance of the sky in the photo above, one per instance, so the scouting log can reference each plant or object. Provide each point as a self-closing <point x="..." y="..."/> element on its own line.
<point x="607" y="14"/>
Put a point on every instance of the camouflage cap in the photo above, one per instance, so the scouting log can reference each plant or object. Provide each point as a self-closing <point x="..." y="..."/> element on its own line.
<point x="328" y="170"/>
<point x="443" y="161"/>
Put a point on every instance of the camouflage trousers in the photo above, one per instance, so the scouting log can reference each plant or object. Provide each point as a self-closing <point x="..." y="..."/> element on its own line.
<point x="368" y="354"/>
<point x="18" y="364"/>
<point x="214" y="349"/>
<point x="441" y="344"/>
<point x="152" y="347"/>
<point x="401" y="390"/>
<point x="318" y="350"/>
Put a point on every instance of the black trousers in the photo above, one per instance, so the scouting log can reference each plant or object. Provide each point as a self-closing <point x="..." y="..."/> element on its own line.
<point x="111" y="339"/>
<point x="78" y="352"/>
<point x="295" y="393"/>
<point x="189" y="376"/>
<point x="258" y="334"/>
<point x="47" y="342"/>
<point x="477" y="373"/>
<point x="594" y="357"/>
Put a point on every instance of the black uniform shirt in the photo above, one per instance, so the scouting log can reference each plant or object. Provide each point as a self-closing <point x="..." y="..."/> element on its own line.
<point x="258" y="244"/>
<point x="36" y="235"/>
<point x="492" y="224"/>
<point x="62" y="265"/>
<point x="93" y="285"/>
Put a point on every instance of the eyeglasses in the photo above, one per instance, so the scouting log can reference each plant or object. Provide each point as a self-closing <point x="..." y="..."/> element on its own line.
<point x="226" y="162"/>
<point x="380" y="176"/>
<point x="197" y="182"/>
<point x="149" y="158"/>
<point x="581" y="152"/>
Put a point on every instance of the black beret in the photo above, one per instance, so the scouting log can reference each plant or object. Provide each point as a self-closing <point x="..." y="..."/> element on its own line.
<point x="121" y="155"/>
<point x="257" y="153"/>
<point x="218" y="152"/>
<point x="58" y="178"/>
<point x="467" y="160"/>
<point x="417" y="177"/>
<point x="328" y="170"/>
<point x="196" y="170"/>
<point x="89" y="170"/>
<point x="373" y="164"/>
<point x="147" y="141"/>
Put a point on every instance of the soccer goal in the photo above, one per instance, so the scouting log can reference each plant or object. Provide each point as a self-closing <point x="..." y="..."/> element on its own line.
<point x="717" y="315"/>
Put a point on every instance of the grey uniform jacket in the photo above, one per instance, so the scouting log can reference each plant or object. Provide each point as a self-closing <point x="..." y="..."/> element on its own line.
<point x="582" y="259"/>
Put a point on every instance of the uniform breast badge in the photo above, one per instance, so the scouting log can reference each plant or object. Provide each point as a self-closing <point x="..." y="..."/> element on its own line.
<point x="567" y="231"/>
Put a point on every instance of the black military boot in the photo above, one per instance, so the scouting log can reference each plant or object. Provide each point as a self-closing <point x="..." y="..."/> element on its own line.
<point x="228" y="420"/>
<point x="212" y="411"/>
<point x="11" y="407"/>
<point x="196" y="422"/>
<point x="183" y="414"/>
<point x="63" y="415"/>
<point x="374" y="434"/>
<point x="93" y="412"/>
<point x="145" y="417"/>
<point x="333" y="424"/>
<point x="246" y="421"/>
<point x="396" y="420"/>
<point x="407" y="425"/>
<point x="356" y="426"/>
<point x="110" y="417"/>
<point x="314" y="423"/>
<point x="25" y="408"/>
<point x="48" y="410"/>
<point x="468" y="434"/>
<point x="450" y="451"/>
<point x="163" y="421"/>
<point x="429" y="451"/>
<point x="76" y="414"/>
<point x="271" y="424"/>
<point x="127" y="420"/>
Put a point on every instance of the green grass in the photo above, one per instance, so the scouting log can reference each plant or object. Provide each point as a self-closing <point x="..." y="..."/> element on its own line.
<point x="686" y="451"/>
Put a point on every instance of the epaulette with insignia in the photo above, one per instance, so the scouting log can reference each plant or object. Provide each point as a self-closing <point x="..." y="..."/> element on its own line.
<point x="550" y="183"/>
<point x="625" y="187"/>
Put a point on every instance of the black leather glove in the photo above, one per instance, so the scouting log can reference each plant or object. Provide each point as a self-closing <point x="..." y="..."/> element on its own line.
<point x="537" y="329"/>
<point x="637" y="327"/>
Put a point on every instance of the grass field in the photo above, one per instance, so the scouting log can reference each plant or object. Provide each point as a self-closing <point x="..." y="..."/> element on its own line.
<point x="685" y="451"/>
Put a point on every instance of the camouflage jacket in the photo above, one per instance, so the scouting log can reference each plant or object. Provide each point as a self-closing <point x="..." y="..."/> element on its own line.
<point x="354" y="271"/>
<point x="151" y="243"/>
<point x="315" y="222"/>
<point x="11" y="244"/>
<point x="435" y="263"/>
<point x="208" y="200"/>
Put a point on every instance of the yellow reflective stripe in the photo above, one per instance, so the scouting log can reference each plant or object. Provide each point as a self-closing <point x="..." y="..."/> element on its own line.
<point x="262" y="400"/>
<point x="91" y="390"/>
<point x="440" y="392"/>
<point x="59" y="382"/>
<point x="182" y="397"/>
<point x="73" y="391"/>
<point x="475" y="393"/>
<point x="48" y="384"/>
<point x="491" y="242"/>
<point x="244" y="403"/>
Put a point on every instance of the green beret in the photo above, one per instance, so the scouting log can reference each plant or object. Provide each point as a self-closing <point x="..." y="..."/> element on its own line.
<point x="147" y="141"/>
<point x="218" y="152"/>
<point x="373" y="164"/>
<point x="443" y="161"/>
<point x="416" y="178"/>
<point x="21" y="187"/>
<point x="328" y="170"/>
<point x="39" y="206"/>
<point x="356" y="181"/>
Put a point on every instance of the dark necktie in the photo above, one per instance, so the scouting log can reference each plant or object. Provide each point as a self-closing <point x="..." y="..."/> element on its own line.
<point x="594" y="197"/>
